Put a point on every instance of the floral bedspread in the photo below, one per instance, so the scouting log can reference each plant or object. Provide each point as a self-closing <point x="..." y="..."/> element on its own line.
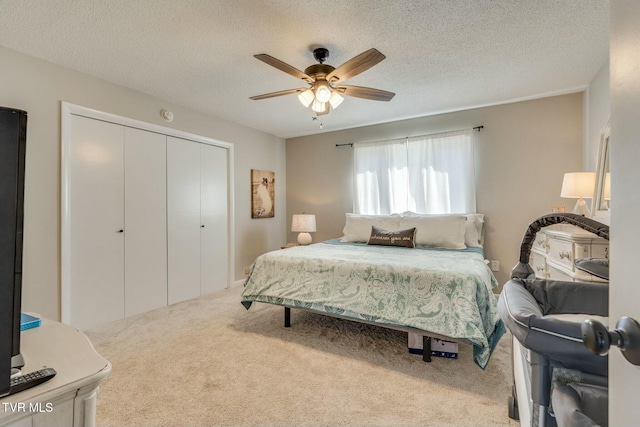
<point x="447" y="292"/>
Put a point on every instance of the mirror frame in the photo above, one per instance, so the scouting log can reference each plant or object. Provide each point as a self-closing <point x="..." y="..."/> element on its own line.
<point x="604" y="156"/>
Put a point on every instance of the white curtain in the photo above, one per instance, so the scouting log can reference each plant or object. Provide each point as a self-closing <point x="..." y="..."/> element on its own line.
<point x="426" y="174"/>
<point x="380" y="170"/>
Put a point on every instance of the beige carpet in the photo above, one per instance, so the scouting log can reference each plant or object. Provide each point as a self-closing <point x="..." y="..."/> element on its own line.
<point x="210" y="362"/>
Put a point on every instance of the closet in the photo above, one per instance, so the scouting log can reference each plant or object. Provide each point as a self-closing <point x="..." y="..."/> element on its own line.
<point x="145" y="219"/>
<point x="196" y="175"/>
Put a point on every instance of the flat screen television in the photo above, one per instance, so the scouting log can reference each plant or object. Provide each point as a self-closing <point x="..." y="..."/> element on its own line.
<point x="13" y="138"/>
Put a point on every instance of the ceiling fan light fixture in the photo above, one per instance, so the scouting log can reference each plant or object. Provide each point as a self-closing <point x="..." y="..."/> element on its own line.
<point x="323" y="91"/>
<point x="306" y="97"/>
<point x="319" y="107"/>
<point x="335" y="99"/>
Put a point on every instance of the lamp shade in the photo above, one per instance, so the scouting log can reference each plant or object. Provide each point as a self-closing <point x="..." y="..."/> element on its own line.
<point x="576" y="185"/>
<point x="335" y="100"/>
<point x="318" y="107"/>
<point x="306" y="97"/>
<point x="303" y="223"/>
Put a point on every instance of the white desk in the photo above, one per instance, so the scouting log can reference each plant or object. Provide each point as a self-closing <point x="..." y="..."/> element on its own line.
<point x="69" y="398"/>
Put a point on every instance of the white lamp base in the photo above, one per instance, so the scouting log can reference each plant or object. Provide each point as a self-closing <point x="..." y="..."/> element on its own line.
<point x="581" y="208"/>
<point x="304" y="238"/>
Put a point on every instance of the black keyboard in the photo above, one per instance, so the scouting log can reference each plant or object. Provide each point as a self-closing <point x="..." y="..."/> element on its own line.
<point x="26" y="381"/>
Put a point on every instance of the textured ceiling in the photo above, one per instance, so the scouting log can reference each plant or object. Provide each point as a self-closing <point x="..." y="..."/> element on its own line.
<point x="442" y="55"/>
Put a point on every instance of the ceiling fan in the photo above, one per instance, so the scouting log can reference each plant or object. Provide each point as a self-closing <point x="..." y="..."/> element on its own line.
<point x="324" y="81"/>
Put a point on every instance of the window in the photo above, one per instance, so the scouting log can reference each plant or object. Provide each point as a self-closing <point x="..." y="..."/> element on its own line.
<point x="426" y="174"/>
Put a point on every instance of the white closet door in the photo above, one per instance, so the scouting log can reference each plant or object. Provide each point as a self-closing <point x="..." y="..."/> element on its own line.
<point x="145" y="232"/>
<point x="97" y="220"/>
<point x="214" y="231"/>
<point x="183" y="219"/>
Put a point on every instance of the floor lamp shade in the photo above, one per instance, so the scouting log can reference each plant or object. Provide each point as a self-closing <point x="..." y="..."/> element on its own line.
<point x="579" y="185"/>
<point x="303" y="224"/>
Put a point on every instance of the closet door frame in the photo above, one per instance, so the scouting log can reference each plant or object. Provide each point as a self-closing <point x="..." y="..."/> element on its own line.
<point x="67" y="111"/>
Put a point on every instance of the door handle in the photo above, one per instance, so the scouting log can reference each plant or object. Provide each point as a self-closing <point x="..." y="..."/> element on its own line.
<point x="626" y="336"/>
<point x="120" y="231"/>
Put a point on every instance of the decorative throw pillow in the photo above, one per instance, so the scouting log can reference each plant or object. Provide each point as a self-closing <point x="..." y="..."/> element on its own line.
<point x="357" y="227"/>
<point x="404" y="238"/>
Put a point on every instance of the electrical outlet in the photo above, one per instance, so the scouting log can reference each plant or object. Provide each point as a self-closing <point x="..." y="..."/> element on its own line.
<point x="495" y="265"/>
<point x="247" y="270"/>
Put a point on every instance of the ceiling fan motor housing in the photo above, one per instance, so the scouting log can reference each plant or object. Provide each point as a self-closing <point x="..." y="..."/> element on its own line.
<point x="321" y="54"/>
<point x="318" y="70"/>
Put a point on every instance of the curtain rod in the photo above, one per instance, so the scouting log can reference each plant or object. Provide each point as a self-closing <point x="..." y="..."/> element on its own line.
<point x="478" y="128"/>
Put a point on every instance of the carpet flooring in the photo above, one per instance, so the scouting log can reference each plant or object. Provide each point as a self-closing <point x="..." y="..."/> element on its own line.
<point x="210" y="362"/>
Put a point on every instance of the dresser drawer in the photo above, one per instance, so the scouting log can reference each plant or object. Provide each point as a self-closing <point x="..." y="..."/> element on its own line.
<point x="561" y="252"/>
<point x="539" y="264"/>
<point x="541" y="243"/>
<point x="557" y="274"/>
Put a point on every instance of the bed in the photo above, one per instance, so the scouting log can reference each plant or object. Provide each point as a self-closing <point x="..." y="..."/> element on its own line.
<point x="441" y="292"/>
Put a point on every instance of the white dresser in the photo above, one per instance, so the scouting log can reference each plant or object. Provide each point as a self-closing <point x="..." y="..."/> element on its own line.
<point x="556" y="248"/>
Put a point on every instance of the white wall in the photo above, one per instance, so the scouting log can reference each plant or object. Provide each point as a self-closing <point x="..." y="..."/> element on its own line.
<point x="522" y="153"/>
<point x="38" y="87"/>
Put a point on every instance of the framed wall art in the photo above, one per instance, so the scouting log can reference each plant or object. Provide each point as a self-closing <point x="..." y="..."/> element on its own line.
<point x="263" y="195"/>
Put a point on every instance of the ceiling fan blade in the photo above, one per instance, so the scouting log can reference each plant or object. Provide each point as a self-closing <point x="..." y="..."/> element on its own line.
<point x="356" y="65"/>
<point x="365" y="92"/>
<point x="282" y="66"/>
<point x="279" y="93"/>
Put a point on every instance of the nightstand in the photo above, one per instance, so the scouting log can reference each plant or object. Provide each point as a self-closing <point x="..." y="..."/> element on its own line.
<point x="556" y="248"/>
<point x="289" y="245"/>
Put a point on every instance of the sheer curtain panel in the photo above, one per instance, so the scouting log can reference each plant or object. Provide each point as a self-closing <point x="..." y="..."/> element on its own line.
<point x="380" y="177"/>
<point x="432" y="174"/>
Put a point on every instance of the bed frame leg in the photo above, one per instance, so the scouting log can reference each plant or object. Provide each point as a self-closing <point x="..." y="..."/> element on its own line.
<point x="287" y="317"/>
<point x="426" y="348"/>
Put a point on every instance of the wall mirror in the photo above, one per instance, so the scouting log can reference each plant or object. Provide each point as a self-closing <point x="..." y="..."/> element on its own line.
<point x="601" y="207"/>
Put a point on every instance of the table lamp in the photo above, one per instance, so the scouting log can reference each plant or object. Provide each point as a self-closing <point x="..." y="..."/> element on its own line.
<point x="579" y="185"/>
<point x="303" y="224"/>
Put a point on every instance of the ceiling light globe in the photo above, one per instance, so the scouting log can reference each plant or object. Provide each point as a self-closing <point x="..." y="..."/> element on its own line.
<point x="323" y="92"/>
<point x="306" y="97"/>
<point x="335" y="100"/>
<point x="319" y="107"/>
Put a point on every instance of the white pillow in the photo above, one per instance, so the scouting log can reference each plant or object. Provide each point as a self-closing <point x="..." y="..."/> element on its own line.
<point x="440" y="231"/>
<point x="473" y="230"/>
<point x="357" y="227"/>
<point x="473" y="233"/>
